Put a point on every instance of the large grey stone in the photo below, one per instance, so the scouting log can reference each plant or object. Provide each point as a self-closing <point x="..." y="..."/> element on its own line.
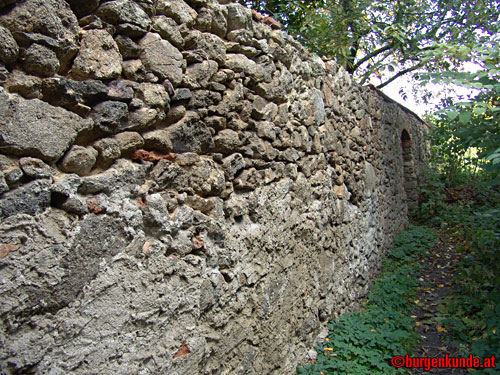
<point x="159" y="140"/>
<point x="204" y="99"/>
<point x="178" y="10"/>
<point x="168" y="29"/>
<point x="144" y="118"/>
<point x="227" y="141"/>
<point x="207" y="178"/>
<point x="212" y="19"/>
<point x="199" y="75"/>
<point x="9" y="50"/>
<point x="190" y="136"/>
<point x="79" y="160"/>
<point x="238" y="17"/>
<point x="81" y="262"/>
<point x="266" y="129"/>
<point x="110" y="116"/>
<point x="122" y="89"/>
<point x="27" y="199"/>
<point x="129" y="141"/>
<point x="149" y="6"/>
<point x="233" y="164"/>
<point x="98" y="58"/>
<point x="240" y="63"/>
<point x="24" y="84"/>
<point x="124" y="12"/>
<point x="40" y="61"/>
<point x="318" y="107"/>
<point x="35" y="128"/>
<point x="156" y="216"/>
<point x="204" y="46"/>
<point x="128" y="48"/>
<point x="134" y="70"/>
<point x="49" y="20"/>
<point x="168" y="175"/>
<point x="161" y="58"/>
<point x="182" y="94"/>
<point x="278" y="88"/>
<point x="35" y="168"/>
<point x="109" y="150"/>
<point x="153" y="95"/>
<point x="76" y="96"/>
<point x="263" y="110"/>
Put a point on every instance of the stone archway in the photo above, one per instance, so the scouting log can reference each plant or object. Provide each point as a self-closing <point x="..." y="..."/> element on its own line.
<point x="409" y="174"/>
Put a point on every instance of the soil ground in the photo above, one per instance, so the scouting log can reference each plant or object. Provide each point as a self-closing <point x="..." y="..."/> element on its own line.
<point x="437" y="284"/>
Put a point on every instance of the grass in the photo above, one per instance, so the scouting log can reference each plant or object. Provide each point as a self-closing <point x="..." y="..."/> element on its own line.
<point x="472" y="314"/>
<point x="362" y="343"/>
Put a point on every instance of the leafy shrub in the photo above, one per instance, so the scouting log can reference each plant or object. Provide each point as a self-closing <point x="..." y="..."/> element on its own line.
<point x="362" y="343"/>
<point x="472" y="315"/>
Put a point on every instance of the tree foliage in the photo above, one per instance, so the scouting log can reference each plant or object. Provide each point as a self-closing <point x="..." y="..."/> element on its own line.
<point x="387" y="38"/>
<point x="473" y="124"/>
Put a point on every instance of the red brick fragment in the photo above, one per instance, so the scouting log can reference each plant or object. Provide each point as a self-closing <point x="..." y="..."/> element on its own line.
<point x="257" y="15"/>
<point x="197" y="243"/>
<point x="271" y="21"/>
<point x="7" y="248"/>
<point x="140" y="202"/>
<point x="183" y="350"/>
<point x="152" y="155"/>
<point x="94" y="207"/>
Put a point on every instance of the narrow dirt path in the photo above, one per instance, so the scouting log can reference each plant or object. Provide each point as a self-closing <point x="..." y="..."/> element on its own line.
<point x="437" y="277"/>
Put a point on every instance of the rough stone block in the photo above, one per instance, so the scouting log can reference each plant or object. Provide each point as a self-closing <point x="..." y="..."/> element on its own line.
<point x="227" y="141"/>
<point x="129" y="141"/>
<point x="190" y="136"/>
<point x="77" y="96"/>
<point x="79" y="160"/>
<point x="28" y="199"/>
<point x="238" y="17"/>
<point x="153" y="95"/>
<point x="9" y="50"/>
<point x="110" y="116"/>
<point x="26" y="85"/>
<point x="35" y="168"/>
<point x="35" y="128"/>
<point x="178" y="10"/>
<point x="159" y="140"/>
<point x="169" y="30"/>
<point x="51" y="21"/>
<point x="161" y="58"/>
<point x="98" y="58"/>
<point x="124" y="12"/>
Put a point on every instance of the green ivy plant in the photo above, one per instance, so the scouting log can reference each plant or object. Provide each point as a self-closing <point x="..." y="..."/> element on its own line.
<point x="362" y="343"/>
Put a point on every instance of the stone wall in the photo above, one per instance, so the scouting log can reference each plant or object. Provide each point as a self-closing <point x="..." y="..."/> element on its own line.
<point x="184" y="189"/>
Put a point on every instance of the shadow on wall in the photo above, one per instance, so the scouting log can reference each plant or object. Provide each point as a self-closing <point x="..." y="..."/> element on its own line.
<point x="409" y="173"/>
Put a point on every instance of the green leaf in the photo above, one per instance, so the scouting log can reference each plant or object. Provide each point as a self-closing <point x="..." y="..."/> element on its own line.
<point x="479" y="111"/>
<point x="476" y="85"/>
<point x="464" y="117"/>
<point x="452" y="115"/>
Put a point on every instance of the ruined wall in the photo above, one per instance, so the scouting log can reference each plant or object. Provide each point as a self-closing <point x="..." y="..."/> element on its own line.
<point x="184" y="189"/>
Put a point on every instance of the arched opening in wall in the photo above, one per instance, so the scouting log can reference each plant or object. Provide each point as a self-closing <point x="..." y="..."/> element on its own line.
<point x="409" y="174"/>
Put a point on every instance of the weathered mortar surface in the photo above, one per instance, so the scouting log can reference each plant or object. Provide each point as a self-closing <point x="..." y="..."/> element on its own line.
<point x="184" y="189"/>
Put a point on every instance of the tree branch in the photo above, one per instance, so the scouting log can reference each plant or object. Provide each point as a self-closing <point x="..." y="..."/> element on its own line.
<point x="372" y="54"/>
<point x="396" y="76"/>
